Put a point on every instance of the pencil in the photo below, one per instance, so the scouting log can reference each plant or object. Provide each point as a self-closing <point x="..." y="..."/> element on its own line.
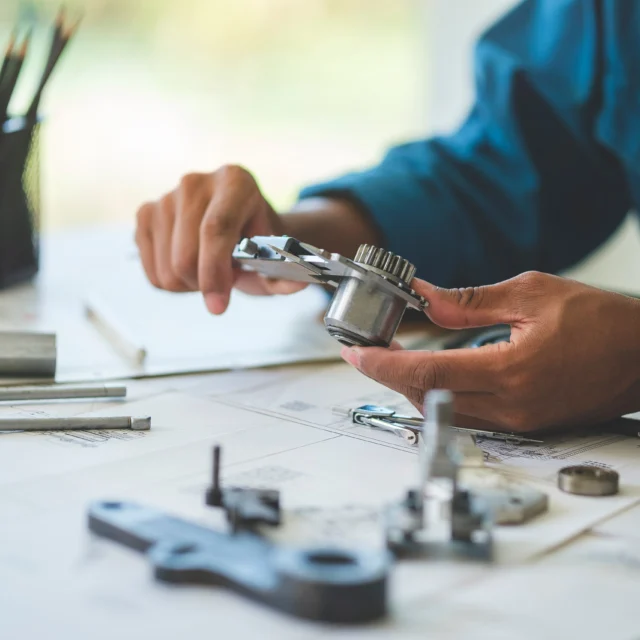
<point x="7" y="56"/>
<point x="12" y="75"/>
<point x="62" y="34"/>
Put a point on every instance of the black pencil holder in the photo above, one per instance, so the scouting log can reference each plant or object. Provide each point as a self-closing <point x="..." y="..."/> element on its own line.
<point x="19" y="201"/>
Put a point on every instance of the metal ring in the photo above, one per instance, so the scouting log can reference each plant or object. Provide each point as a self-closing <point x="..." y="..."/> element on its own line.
<point x="585" y="480"/>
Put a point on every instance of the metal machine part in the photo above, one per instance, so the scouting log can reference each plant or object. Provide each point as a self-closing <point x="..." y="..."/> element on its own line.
<point x="372" y="291"/>
<point x="326" y="584"/>
<point x="384" y="419"/>
<point x="468" y="527"/>
<point x="362" y="313"/>
<point x="135" y="423"/>
<point x="509" y="502"/>
<point x="61" y="392"/>
<point x="585" y="480"/>
<point x="27" y="355"/>
<point x="513" y="506"/>
<point x="246" y="508"/>
<point x="387" y="419"/>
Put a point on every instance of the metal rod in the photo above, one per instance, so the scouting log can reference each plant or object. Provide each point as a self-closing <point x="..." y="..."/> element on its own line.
<point x="61" y="392"/>
<point x="137" y="423"/>
<point x="216" y="467"/>
<point x="115" y="332"/>
<point x="215" y="487"/>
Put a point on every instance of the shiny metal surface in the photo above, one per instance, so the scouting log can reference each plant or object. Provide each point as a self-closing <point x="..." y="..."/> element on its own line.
<point x="363" y="314"/>
<point x="407" y="434"/>
<point x="416" y="423"/>
<point x="385" y="263"/>
<point x="585" y="480"/>
<point x="372" y="292"/>
<point x="136" y="423"/>
<point x="464" y="526"/>
<point x="61" y="392"/>
<point x="24" y="354"/>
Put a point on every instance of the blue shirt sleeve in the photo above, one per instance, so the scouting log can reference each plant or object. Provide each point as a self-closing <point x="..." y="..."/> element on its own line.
<point x="523" y="184"/>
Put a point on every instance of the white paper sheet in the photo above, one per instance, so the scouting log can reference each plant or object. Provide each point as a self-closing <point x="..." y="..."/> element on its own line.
<point x="590" y="591"/>
<point x="277" y="429"/>
<point x="543" y="461"/>
<point x="177" y="331"/>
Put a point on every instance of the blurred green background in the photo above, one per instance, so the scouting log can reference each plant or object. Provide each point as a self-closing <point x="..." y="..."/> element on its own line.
<point x="295" y="90"/>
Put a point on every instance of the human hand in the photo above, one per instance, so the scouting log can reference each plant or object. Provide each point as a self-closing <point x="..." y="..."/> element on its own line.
<point x="573" y="359"/>
<point x="187" y="237"/>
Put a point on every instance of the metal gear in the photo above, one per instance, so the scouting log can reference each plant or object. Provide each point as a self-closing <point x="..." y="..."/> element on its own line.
<point x="385" y="263"/>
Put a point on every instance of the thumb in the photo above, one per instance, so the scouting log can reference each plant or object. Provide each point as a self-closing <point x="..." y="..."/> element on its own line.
<point x="472" y="306"/>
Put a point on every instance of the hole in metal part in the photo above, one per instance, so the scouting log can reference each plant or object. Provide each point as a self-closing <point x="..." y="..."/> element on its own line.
<point x="184" y="549"/>
<point x="112" y="505"/>
<point x="330" y="558"/>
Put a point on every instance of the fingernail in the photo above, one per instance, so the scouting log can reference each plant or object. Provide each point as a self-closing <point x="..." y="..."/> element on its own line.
<point x="352" y="356"/>
<point x="216" y="302"/>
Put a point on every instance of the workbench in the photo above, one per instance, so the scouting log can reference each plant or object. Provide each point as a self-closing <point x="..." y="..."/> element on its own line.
<point x="572" y="572"/>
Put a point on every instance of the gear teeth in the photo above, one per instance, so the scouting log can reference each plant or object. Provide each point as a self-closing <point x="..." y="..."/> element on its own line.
<point x="360" y="252"/>
<point x="409" y="273"/>
<point x="386" y="261"/>
<point x="379" y="257"/>
<point x="369" y="256"/>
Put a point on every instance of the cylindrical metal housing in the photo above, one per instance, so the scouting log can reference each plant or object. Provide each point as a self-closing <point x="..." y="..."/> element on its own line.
<point x="362" y="314"/>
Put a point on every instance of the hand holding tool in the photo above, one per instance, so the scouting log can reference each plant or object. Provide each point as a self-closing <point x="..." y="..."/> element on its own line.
<point x="372" y="291"/>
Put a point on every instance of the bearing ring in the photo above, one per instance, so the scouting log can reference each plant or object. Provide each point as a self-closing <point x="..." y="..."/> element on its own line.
<point x="586" y="480"/>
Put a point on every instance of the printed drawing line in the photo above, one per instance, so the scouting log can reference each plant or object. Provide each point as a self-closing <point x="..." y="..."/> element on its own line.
<point x="562" y="450"/>
<point x="349" y="433"/>
<point x="200" y="486"/>
<point x="93" y="438"/>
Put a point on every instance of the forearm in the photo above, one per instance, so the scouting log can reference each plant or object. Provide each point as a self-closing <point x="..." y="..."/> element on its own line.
<point x="332" y="224"/>
<point x="633" y="361"/>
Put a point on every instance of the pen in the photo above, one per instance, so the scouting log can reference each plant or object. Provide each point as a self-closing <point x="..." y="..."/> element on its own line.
<point x="61" y="392"/>
<point x="137" y="423"/>
<point x="114" y="332"/>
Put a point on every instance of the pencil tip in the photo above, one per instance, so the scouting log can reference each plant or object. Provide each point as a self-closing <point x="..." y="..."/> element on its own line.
<point x="25" y="45"/>
<point x="60" y="16"/>
<point x="76" y="24"/>
<point x="69" y="31"/>
<point x="12" y="44"/>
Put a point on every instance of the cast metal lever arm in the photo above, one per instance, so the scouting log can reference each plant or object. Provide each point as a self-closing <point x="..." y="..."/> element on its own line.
<point x="319" y="584"/>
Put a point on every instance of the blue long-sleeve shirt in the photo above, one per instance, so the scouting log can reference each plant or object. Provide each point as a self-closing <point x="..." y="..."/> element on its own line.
<point x="547" y="164"/>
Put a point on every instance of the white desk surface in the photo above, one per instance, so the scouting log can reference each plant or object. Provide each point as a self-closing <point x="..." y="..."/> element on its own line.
<point x="573" y="572"/>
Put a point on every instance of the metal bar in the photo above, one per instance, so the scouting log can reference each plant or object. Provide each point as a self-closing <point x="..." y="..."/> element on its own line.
<point x="138" y="423"/>
<point x="27" y="355"/>
<point x="61" y="392"/>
